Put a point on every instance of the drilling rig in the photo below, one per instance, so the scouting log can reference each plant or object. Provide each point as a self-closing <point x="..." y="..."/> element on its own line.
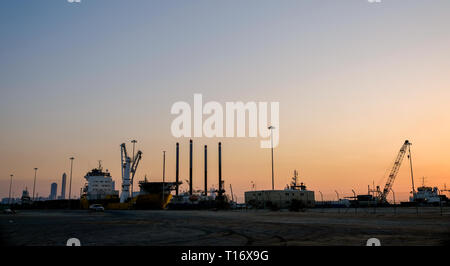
<point x="129" y="168"/>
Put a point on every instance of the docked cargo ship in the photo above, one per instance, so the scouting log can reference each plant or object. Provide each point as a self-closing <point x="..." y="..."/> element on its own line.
<point x="154" y="195"/>
<point x="99" y="189"/>
<point x="426" y="196"/>
<point x="25" y="199"/>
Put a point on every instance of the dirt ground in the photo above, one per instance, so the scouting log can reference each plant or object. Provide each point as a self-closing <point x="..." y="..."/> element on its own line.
<point x="216" y="228"/>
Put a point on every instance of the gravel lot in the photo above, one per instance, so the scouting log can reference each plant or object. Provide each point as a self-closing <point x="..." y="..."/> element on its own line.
<point x="206" y="228"/>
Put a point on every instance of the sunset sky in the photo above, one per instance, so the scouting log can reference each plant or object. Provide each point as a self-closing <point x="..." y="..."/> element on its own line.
<point x="354" y="80"/>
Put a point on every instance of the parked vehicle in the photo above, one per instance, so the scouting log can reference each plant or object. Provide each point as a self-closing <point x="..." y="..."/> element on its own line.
<point x="96" y="207"/>
<point x="8" y="211"/>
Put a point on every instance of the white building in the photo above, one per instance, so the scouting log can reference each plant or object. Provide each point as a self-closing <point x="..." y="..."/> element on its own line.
<point x="283" y="199"/>
<point x="279" y="198"/>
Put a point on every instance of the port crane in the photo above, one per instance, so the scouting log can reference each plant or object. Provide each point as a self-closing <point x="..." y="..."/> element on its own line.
<point x="128" y="167"/>
<point x="232" y="196"/>
<point x="394" y="171"/>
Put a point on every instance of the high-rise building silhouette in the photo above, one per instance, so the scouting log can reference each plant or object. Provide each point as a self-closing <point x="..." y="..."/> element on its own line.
<point x="63" y="186"/>
<point x="53" y="191"/>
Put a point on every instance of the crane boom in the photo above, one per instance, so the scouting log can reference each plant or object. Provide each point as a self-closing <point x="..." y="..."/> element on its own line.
<point x="128" y="167"/>
<point x="135" y="165"/>
<point x="123" y="156"/>
<point x="394" y="171"/>
<point x="232" y="196"/>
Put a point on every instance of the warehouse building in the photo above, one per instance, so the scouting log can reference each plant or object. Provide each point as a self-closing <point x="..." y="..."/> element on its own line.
<point x="282" y="199"/>
<point x="279" y="198"/>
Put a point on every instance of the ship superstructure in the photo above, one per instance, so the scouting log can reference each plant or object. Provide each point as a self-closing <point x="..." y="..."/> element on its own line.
<point x="426" y="195"/>
<point x="99" y="184"/>
<point x="25" y="199"/>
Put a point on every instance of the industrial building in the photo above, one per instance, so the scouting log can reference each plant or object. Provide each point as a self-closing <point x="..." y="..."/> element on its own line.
<point x="279" y="198"/>
<point x="282" y="199"/>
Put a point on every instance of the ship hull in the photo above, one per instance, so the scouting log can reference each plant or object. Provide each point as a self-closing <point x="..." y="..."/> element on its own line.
<point x="142" y="202"/>
<point x="152" y="201"/>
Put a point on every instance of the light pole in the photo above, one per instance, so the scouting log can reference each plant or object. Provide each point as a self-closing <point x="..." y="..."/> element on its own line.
<point x="132" y="179"/>
<point x="9" y="198"/>
<point x="271" y="128"/>
<point x="134" y="143"/>
<point x="440" y="200"/>
<point x="164" y="175"/>
<point x="356" y="201"/>
<point x="321" y="199"/>
<point x="70" y="182"/>
<point x="34" y="184"/>
<point x="393" y="195"/>
<point x="339" y="208"/>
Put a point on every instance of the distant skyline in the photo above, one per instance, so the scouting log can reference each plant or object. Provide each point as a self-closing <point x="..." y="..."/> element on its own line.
<point x="353" y="79"/>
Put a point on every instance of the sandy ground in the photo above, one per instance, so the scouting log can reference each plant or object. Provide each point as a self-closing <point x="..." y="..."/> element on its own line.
<point x="238" y="228"/>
